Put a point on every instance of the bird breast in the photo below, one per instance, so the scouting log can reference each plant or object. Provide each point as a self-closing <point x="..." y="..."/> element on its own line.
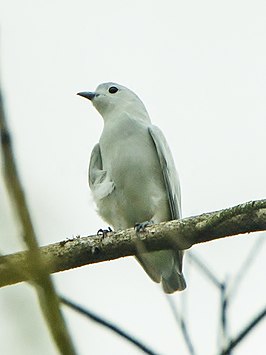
<point x="130" y="158"/>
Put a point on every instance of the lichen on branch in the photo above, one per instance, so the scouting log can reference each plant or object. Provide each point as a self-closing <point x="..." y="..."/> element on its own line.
<point x="177" y="234"/>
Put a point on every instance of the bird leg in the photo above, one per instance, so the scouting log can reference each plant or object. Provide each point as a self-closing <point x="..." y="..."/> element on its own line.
<point x="140" y="227"/>
<point x="103" y="232"/>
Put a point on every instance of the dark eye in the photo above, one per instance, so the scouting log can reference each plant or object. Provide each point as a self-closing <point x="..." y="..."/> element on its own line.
<point x="113" y="90"/>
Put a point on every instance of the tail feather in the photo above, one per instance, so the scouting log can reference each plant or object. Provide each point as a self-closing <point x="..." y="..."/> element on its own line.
<point x="164" y="266"/>
<point x="175" y="282"/>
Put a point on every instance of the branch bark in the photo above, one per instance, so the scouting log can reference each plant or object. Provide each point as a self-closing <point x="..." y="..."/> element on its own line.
<point x="45" y="289"/>
<point x="178" y="234"/>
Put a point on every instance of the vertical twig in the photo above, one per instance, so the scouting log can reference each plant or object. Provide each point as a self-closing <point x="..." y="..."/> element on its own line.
<point x="45" y="289"/>
<point x="244" y="332"/>
<point x="236" y="280"/>
<point x="227" y="291"/>
<point x="222" y="287"/>
<point x="224" y="313"/>
<point x="181" y="322"/>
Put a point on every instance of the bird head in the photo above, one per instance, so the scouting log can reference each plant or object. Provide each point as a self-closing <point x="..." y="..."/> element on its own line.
<point x="111" y="99"/>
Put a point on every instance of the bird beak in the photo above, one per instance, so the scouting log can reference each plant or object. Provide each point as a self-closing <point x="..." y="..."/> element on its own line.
<point x="87" y="94"/>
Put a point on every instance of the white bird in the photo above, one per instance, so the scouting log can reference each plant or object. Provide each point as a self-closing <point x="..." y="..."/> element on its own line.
<point x="133" y="178"/>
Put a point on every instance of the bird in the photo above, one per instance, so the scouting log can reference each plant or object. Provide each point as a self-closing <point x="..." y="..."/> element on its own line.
<point x="132" y="177"/>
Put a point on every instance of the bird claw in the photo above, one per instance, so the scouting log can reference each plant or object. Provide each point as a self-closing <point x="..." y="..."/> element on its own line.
<point x="140" y="227"/>
<point x="103" y="232"/>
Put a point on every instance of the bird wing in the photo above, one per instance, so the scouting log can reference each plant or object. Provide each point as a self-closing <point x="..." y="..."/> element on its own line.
<point x="100" y="183"/>
<point x="169" y="171"/>
<point x="172" y="186"/>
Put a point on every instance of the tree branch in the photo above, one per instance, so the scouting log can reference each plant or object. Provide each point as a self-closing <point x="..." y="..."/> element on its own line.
<point x="44" y="286"/>
<point x="244" y="332"/>
<point x="180" y="319"/>
<point x="179" y="234"/>
<point x="109" y="325"/>
<point x="205" y="269"/>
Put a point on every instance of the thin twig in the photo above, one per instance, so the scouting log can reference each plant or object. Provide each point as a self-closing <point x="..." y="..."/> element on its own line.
<point x="181" y="322"/>
<point x="224" y="313"/>
<point x="229" y="289"/>
<point x="244" y="332"/>
<point x="206" y="270"/>
<point x="222" y="286"/>
<point x="46" y="292"/>
<point x="236" y="281"/>
<point x="111" y="326"/>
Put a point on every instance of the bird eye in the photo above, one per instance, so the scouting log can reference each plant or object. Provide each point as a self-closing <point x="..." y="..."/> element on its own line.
<point x="113" y="90"/>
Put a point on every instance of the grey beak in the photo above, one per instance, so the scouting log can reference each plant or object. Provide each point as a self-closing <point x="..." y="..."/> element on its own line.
<point x="87" y="94"/>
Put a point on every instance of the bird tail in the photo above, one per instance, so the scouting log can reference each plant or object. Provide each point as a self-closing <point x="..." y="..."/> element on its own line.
<point x="164" y="266"/>
<point x="175" y="282"/>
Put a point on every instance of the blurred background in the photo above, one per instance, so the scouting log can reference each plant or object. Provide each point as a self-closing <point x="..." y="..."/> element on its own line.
<point x="199" y="67"/>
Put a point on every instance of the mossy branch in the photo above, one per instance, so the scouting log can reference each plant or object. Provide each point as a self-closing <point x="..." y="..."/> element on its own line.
<point x="179" y="234"/>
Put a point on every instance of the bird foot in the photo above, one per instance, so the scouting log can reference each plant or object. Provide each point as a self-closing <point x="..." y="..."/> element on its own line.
<point x="103" y="232"/>
<point x="140" y="227"/>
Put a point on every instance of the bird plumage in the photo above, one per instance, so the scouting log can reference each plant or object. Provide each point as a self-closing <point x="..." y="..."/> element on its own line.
<point x="133" y="177"/>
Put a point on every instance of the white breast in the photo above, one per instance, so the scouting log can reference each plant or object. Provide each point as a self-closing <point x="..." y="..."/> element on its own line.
<point x="130" y="158"/>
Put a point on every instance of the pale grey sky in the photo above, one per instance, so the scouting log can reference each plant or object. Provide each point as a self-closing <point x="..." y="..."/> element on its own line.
<point x="199" y="67"/>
